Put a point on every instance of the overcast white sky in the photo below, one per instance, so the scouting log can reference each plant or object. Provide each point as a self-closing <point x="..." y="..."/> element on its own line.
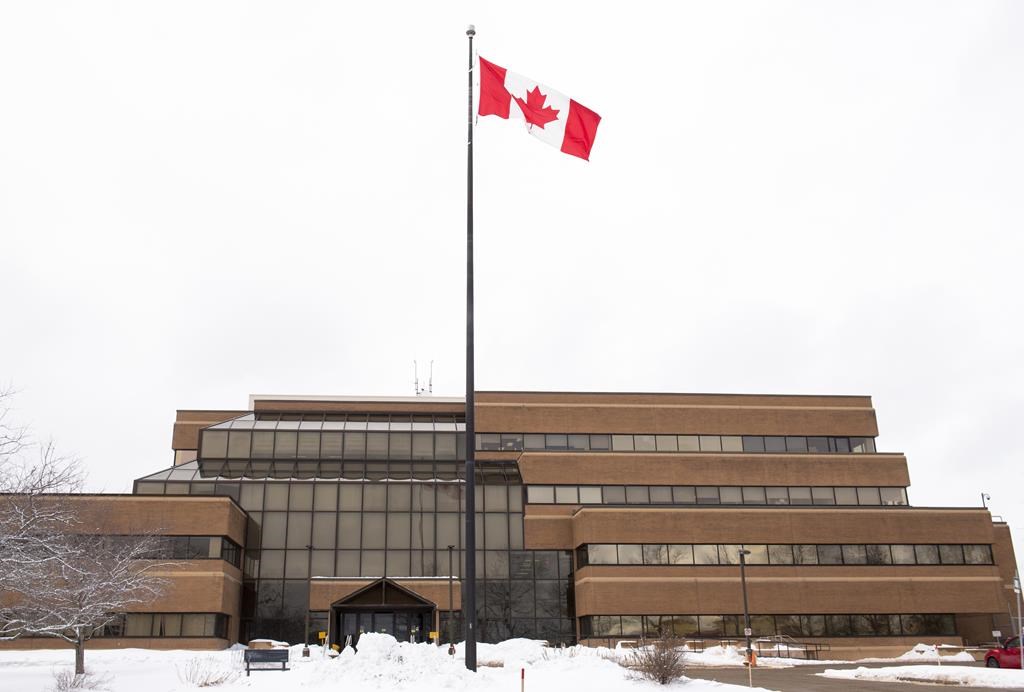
<point x="203" y="200"/>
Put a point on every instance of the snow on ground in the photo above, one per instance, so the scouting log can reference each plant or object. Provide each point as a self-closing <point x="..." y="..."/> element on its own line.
<point x="924" y="653"/>
<point x="974" y="676"/>
<point x="381" y="664"/>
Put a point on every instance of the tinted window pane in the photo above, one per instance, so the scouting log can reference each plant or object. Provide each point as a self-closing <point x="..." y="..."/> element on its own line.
<point x="951" y="554"/>
<point x="556" y="442"/>
<point x="903" y="555"/>
<point x="732" y="443"/>
<point x="774" y="444"/>
<point x="753" y="495"/>
<point x="799" y="496"/>
<point x="614" y="495"/>
<point x="780" y="554"/>
<point x="684" y="495"/>
<point x="707" y="495"/>
<point x="846" y="496"/>
<point x="710" y="443"/>
<point x="758" y="554"/>
<point x="753" y="443"/>
<point x="601" y="554"/>
<point x="777" y="496"/>
<point x="540" y="494"/>
<point x="878" y="555"/>
<point x="705" y="554"/>
<point x="894" y="496"/>
<point x="818" y="445"/>
<point x="214" y="444"/>
<point x="284" y="444"/>
<point x="796" y="444"/>
<point x="661" y="494"/>
<point x="868" y="496"/>
<point x="729" y="554"/>
<point x="630" y="554"/>
<point x="622" y="443"/>
<point x="644" y="443"/>
<point x="688" y="443"/>
<point x="637" y="495"/>
<point x="665" y="443"/>
<point x="565" y="494"/>
<point x="680" y="554"/>
<point x="927" y="554"/>
<point x="731" y="495"/>
<point x="978" y="554"/>
<point x="805" y="554"/>
<point x="823" y="496"/>
<point x="590" y="495"/>
<point x="655" y="555"/>
<point x="830" y="555"/>
<point x="854" y="555"/>
<point x="600" y="442"/>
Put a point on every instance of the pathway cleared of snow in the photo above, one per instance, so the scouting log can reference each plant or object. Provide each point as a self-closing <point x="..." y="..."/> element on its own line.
<point x="381" y="664"/>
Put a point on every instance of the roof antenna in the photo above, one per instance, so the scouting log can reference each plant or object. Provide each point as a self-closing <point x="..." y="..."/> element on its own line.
<point x="420" y="391"/>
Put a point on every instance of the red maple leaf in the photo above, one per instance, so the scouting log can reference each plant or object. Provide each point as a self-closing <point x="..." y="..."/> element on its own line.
<point x="534" y="110"/>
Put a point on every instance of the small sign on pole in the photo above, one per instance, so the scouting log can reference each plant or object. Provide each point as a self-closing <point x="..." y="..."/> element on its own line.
<point x="996" y="634"/>
<point x="747" y="631"/>
<point x="434" y="635"/>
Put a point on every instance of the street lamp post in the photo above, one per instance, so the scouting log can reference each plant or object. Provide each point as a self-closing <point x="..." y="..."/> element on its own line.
<point x="451" y="603"/>
<point x="984" y="497"/>
<point x="746" y="610"/>
<point x="309" y="588"/>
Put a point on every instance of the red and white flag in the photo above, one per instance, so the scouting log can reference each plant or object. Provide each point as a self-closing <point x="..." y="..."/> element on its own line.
<point x="549" y="115"/>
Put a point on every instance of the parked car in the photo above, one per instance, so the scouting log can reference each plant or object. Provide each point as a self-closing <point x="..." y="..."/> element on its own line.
<point x="1006" y="656"/>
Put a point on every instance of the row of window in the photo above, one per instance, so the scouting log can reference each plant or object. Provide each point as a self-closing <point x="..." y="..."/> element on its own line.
<point x="718" y="626"/>
<point x="674" y="443"/>
<point x="196" y="548"/>
<point x="713" y="495"/>
<point x="345" y="421"/>
<point x="426" y="446"/>
<point x="783" y="554"/>
<point x="167" y="625"/>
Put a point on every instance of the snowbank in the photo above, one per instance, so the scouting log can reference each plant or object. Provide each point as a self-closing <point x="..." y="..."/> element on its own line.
<point x="381" y="664"/>
<point x="924" y="653"/>
<point x="974" y="676"/>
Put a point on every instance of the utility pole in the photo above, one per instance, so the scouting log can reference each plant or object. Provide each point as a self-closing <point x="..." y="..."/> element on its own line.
<point x="746" y="614"/>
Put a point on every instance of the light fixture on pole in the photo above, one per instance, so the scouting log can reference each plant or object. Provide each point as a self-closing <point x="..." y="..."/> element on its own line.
<point x="984" y="497"/>
<point x="309" y="589"/>
<point x="451" y="603"/>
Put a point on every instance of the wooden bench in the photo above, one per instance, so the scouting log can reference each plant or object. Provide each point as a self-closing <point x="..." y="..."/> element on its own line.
<point x="265" y="656"/>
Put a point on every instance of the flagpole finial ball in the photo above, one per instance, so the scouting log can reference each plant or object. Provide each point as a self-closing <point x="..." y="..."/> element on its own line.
<point x="471" y="31"/>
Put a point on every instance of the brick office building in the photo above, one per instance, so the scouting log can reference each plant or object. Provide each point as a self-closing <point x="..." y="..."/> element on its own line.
<point x="601" y="517"/>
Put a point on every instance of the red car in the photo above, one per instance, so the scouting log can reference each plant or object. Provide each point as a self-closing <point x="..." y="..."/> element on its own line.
<point x="1006" y="656"/>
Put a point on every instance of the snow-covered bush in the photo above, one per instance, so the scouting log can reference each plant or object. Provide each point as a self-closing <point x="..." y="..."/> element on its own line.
<point x="205" y="672"/>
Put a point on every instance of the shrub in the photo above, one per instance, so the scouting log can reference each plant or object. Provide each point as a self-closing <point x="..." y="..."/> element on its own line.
<point x="660" y="662"/>
<point x="65" y="680"/>
<point x="205" y="672"/>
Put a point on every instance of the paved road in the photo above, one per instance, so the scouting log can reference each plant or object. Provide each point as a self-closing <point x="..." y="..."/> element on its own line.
<point x="804" y="679"/>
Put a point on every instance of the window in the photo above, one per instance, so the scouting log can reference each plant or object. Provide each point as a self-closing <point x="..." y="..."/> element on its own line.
<point x="823" y="496"/>
<point x="903" y="555"/>
<point x="753" y="495"/>
<point x="796" y="444"/>
<point x="951" y="554"/>
<point x="729" y="554"/>
<point x="655" y="554"/>
<point x="614" y="495"/>
<point x="854" y="555"/>
<point x="214" y="444"/>
<point x="705" y="554"/>
<point x="753" y="443"/>
<point x="590" y="495"/>
<point x="637" y="495"/>
<point x="598" y="554"/>
<point x="731" y="495"/>
<point x="776" y="496"/>
<point x="556" y="442"/>
<point x="661" y="495"/>
<point x="566" y="494"/>
<point x="846" y="496"/>
<point x="540" y="494"/>
<point x="780" y="554"/>
<point x="758" y="554"/>
<point x="732" y="443"/>
<point x="817" y="445"/>
<point x="830" y="555"/>
<point x="878" y="555"/>
<point x="710" y="443"/>
<point x="894" y="496"/>
<point x="644" y="443"/>
<point x="978" y="554"/>
<point x="868" y="496"/>
<point x="622" y="443"/>
<point x="600" y="443"/>
<point x="666" y="443"/>
<point x="799" y="496"/>
<point x="684" y="495"/>
<point x="805" y="554"/>
<point x="630" y="554"/>
<point x="579" y="442"/>
<point x="680" y="554"/>
<point x="927" y="554"/>
<point x="774" y="444"/>
<point x="707" y="495"/>
<point x="688" y="443"/>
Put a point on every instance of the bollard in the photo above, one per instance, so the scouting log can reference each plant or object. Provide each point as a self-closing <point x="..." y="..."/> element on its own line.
<point x="522" y="680"/>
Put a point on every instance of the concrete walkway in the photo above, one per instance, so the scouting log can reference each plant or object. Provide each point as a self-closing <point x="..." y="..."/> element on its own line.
<point x="804" y="678"/>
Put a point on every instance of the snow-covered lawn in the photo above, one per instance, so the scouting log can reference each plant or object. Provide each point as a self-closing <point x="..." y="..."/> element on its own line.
<point x="974" y="676"/>
<point x="381" y="664"/>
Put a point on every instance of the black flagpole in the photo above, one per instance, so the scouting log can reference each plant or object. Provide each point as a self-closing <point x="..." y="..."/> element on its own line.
<point x="469" y="575"/>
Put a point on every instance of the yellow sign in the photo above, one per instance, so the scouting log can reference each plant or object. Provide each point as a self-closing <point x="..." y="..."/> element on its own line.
<point x="321" y="635"/>
<point x="433" y="634"/>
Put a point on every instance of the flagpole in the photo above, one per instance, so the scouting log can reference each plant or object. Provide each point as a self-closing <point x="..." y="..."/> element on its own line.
<point x="469" y="573"/>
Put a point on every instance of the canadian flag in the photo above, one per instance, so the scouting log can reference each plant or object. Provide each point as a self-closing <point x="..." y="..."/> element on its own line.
<point x="549" y="115"/>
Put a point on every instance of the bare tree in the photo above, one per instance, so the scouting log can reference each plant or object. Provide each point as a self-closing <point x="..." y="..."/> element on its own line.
<point x="101" y="578"/>
<point x="56" y="578"/>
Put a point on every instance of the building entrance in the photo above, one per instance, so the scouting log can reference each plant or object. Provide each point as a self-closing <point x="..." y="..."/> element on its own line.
<point x="382" y="606"/>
